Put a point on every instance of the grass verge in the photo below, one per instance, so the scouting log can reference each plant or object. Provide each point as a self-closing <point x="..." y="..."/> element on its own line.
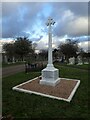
<point x="84" y="66"/>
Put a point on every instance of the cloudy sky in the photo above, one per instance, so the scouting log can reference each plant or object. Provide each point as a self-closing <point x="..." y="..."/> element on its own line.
<point x="29" y="18"/>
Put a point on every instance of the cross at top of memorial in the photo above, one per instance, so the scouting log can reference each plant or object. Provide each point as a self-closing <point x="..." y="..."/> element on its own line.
<point x="50" y="22"/>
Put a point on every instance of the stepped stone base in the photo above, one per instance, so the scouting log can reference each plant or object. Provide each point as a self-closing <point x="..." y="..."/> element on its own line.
<point x="50" y="76"/>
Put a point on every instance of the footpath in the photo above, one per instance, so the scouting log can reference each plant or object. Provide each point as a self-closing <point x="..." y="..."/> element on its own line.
<point x="7" y="71"/>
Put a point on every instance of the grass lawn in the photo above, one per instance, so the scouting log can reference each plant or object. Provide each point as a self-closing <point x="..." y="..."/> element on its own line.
<point x="84" y="66"/>
<point x="22" y="105"/>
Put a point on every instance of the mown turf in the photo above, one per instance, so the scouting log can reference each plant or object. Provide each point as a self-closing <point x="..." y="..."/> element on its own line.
<point x="83" y="66"/>
<point x="22" y="105"/>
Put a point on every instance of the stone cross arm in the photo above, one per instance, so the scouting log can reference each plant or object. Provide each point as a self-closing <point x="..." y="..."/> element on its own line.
<point x="50" y="21"/>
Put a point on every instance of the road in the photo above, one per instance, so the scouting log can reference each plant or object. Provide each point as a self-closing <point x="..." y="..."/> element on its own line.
<point x="12" y="70"/>
<point x="7" y="71"/>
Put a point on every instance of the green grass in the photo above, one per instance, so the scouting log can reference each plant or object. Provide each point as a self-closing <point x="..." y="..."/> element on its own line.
<point x="84" y="66"/>
<point x="25" y="105"/>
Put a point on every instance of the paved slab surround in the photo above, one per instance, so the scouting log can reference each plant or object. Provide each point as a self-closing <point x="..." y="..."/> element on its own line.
<point x="64" y="90"/>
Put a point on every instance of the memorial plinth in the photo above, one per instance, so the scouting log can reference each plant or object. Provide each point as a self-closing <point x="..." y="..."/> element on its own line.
<point x="50" y="75"/>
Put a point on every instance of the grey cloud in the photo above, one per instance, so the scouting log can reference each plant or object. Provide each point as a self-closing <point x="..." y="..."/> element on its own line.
<point x="36" y="39"/>
<point x="15" y="23"/>
<point x="78" y="10"/>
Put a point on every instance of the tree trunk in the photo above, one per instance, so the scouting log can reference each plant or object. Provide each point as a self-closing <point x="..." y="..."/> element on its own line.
<point x="67" y="59"/>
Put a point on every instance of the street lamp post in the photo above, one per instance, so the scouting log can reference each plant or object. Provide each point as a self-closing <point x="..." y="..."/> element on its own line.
<point x="50" y="75"/>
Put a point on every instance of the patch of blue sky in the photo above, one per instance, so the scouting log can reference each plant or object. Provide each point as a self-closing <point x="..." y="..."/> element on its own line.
<point x="47" y="10"/>
<point x="37" y="28"/>
<point x="5" y="19"/>
<point x="22" y="11"/>
<point x="37" y="33"/>
<point x="82" y="38"/>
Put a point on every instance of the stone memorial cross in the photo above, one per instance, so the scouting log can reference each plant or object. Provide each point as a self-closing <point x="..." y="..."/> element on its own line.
<point x="50" y="73"/>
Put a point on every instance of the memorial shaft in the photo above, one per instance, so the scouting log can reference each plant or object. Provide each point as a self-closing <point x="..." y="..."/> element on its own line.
<point x="50" y="44"/>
